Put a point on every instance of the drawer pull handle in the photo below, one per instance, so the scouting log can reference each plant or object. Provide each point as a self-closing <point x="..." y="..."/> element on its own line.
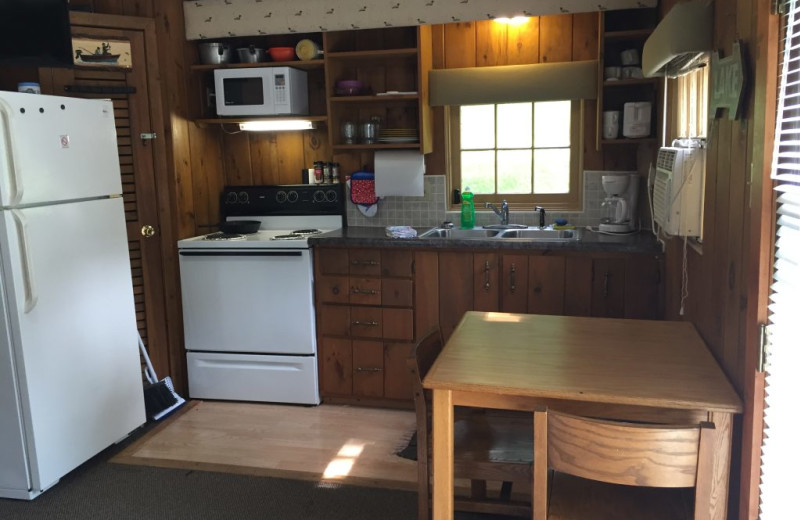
<point x="366" y="323"/>
<point x="360" y="369"/>
<point x="363" y="262"/>
<point x="487" y="277"/>
<point x="513" y="279"/>
<point x="356" y="290"/>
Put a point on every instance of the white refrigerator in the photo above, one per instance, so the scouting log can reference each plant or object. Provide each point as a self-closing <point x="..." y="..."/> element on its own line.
<point x="70" y="376"/>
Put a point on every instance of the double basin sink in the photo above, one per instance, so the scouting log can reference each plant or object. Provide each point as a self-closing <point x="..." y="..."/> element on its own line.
<point x="531" y="233"/>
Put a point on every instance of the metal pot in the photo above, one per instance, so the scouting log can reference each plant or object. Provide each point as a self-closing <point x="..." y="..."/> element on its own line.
<point x="214" y="53"/>
<point x="251" y="54"/>
<point x="243" y="227"/>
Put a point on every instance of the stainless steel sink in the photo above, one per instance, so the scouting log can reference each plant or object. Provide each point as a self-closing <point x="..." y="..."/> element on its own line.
<point x="541" y="234"/>
<point x="460" y="233"/>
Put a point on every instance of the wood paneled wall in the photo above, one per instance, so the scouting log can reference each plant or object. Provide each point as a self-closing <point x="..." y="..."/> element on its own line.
<point x="728" y="274"/>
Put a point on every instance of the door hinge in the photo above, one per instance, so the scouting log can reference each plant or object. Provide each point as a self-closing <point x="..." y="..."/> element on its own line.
<point x="778" y="7"/>
<point x="763" y="347"/>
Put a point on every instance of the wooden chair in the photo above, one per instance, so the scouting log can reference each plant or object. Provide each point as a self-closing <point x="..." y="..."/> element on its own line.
<point x="609" y="470"/>
<point x="488" y="445"/>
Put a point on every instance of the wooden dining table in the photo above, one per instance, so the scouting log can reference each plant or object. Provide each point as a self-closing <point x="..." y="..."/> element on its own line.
<point x="623" y="369"/>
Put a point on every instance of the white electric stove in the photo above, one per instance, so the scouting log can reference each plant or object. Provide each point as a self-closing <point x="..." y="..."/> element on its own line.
<point x="248" y="300"/>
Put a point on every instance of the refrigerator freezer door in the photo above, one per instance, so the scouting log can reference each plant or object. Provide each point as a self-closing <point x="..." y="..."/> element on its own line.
<point x="78" y="366"/>
<point x="56" y="149"/>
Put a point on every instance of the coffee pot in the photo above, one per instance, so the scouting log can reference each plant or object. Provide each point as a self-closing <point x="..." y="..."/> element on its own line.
<point x="619" y="205"/>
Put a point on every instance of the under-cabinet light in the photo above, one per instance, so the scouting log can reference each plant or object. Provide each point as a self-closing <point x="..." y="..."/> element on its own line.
<point x="276" y="125"/>
<point x="517" y="20"/>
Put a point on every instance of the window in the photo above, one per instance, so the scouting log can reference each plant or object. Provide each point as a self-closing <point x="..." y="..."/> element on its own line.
<point x="692" y="104"/>
<point x="526" y="153"/>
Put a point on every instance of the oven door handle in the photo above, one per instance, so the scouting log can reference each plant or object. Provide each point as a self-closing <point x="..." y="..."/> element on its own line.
<point x="240" y="253"/>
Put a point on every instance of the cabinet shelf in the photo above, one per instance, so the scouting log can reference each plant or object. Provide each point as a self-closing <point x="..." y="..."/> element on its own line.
<point x="237" y="120"/>
<point x="374" y="99"/>
<point x="376" y="146"/>
<point x="626" y="140"/>
<point x="310" y="64"/>
<point x="630" y="82"/>
<point x="374" y="54"/>
<point x="635" y="34"/>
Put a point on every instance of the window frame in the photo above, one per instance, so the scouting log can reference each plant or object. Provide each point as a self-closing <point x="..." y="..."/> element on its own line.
<point x="571" y="201"/>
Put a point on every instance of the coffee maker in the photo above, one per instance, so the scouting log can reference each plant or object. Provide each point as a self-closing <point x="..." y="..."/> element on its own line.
<point x="620" y="203"/>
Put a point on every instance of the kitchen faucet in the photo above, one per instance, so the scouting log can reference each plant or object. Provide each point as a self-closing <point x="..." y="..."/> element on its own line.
<point x="502" y="212"/>
<point x="541" y="216"/>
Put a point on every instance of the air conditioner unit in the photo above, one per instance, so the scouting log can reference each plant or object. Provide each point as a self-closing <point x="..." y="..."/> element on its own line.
<point x="678" y="190"/>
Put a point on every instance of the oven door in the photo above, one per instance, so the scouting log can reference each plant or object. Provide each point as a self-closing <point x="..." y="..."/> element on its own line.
<point x="248" y="300"/>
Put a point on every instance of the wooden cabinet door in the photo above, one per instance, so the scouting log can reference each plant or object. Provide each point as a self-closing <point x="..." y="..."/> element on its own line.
<point x="396" y="376"/>
<point x="608" y="287"/>
<point x="334" y="320"/>
<point x="333" y="261"/>
<point x="643" y="287"/>
<point x="397" y="293"/>
<point x="455" y="289"/>
<point x="335" y="366"/>
<point x="514" y="284"/>
<point x="396" y="263"/>
<point x="578" y="286"/>
<point x="486" y="282"/>
<point x="368" y="368"/>
<point x="546" y="285"/>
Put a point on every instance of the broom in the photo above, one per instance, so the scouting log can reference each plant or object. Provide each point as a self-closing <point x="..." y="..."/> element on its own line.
<point x="160" y="398"/>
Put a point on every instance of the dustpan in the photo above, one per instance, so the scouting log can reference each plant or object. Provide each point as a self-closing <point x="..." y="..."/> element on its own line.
<point x="160" y="398"/>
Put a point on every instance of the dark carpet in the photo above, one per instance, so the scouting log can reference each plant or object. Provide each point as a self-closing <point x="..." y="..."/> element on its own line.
<point x="101" y="490"/>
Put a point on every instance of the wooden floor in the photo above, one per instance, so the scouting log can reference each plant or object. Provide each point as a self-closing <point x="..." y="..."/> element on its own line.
<point x="353" y="445"/>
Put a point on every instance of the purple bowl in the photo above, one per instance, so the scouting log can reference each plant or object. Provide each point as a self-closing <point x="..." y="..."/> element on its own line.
<point x="349" y="84"/>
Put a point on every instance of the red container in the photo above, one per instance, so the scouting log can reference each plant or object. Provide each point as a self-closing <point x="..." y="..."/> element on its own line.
<point x="281" y="53"/>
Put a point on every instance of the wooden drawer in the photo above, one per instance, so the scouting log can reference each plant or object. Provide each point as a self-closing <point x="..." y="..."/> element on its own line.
<point x="334" y="320"/>
<point x="333" y="289"/>
<point x="397" y="293"/>
<point x="333" y="261"/>
<point x="365" y="291"/>
<point x="398" y="324"/>
<point x="366" y="322"/>
<point x="397" y="263"/>
<point x="365" y="262"/>
<point x="368" y="368"/>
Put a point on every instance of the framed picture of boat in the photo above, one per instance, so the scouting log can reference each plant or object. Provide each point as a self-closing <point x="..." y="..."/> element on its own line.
<point x="94" y="52"/>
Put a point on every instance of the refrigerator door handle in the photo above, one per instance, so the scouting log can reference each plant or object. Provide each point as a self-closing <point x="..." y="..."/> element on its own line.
<point x="29" y="282"/>
<point x="14" y="178"/>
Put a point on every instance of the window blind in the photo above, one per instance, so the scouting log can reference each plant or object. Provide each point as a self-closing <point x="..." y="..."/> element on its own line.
<point x="780" y="458"/>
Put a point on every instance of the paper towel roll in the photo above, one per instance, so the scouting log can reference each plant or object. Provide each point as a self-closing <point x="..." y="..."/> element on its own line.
<point x="399" y="173"/>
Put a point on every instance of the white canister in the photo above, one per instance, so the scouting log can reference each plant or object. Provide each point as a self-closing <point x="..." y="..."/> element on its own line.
<point x="29" y="87"/>
<point x="610" y="124"/>
<point x="636" y="119"/>
<point x="629" y="57"/>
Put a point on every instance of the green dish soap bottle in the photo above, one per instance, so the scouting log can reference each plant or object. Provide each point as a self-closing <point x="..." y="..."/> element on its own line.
<point x="467" y="210"/>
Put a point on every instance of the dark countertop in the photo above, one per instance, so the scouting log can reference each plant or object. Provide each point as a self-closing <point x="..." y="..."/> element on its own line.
<point x="374" y="237"/>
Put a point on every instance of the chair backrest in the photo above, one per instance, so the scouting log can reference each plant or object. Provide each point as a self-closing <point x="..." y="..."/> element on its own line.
<point x="420" y="360"/>
<point x="624" y="453"/>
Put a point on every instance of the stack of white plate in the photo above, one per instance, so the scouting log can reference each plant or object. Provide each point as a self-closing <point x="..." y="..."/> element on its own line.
<point x="398" y="135"/>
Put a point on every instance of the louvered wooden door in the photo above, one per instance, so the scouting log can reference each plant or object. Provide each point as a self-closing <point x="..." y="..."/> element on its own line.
<point x="128" y="90"/>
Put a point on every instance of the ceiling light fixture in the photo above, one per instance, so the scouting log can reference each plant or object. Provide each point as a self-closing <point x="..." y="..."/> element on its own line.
<point x="517" y="20"/>
<point x="276" y="125"/>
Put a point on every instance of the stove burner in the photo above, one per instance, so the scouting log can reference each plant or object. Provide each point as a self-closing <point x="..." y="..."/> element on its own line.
<point x="297" y="234"/>
<point x="219" y="235"/>
<point x="311" y="231"/>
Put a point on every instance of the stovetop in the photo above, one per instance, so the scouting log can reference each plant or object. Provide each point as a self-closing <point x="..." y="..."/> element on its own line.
<point x="288" y="215"/>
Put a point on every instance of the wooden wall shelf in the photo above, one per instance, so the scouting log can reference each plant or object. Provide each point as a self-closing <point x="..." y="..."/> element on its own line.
<point x="237" y="120"/>
<point x="310" y="64"/>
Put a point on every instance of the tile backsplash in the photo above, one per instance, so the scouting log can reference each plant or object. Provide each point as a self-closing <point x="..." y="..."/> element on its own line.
<point x="430" y="210"/>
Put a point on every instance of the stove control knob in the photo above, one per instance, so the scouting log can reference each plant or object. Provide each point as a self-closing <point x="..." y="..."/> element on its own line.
<point x="331" y="195"/>
<point x="280" y="197"/>
<point x="319" y="196"/>
<point x="231" y="198"/>
<point x="244" y="198"/>
<point x="293" y="196"/>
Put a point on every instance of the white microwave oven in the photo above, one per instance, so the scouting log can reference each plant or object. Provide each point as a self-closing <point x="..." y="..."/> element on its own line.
<point x="261" y="91"/>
